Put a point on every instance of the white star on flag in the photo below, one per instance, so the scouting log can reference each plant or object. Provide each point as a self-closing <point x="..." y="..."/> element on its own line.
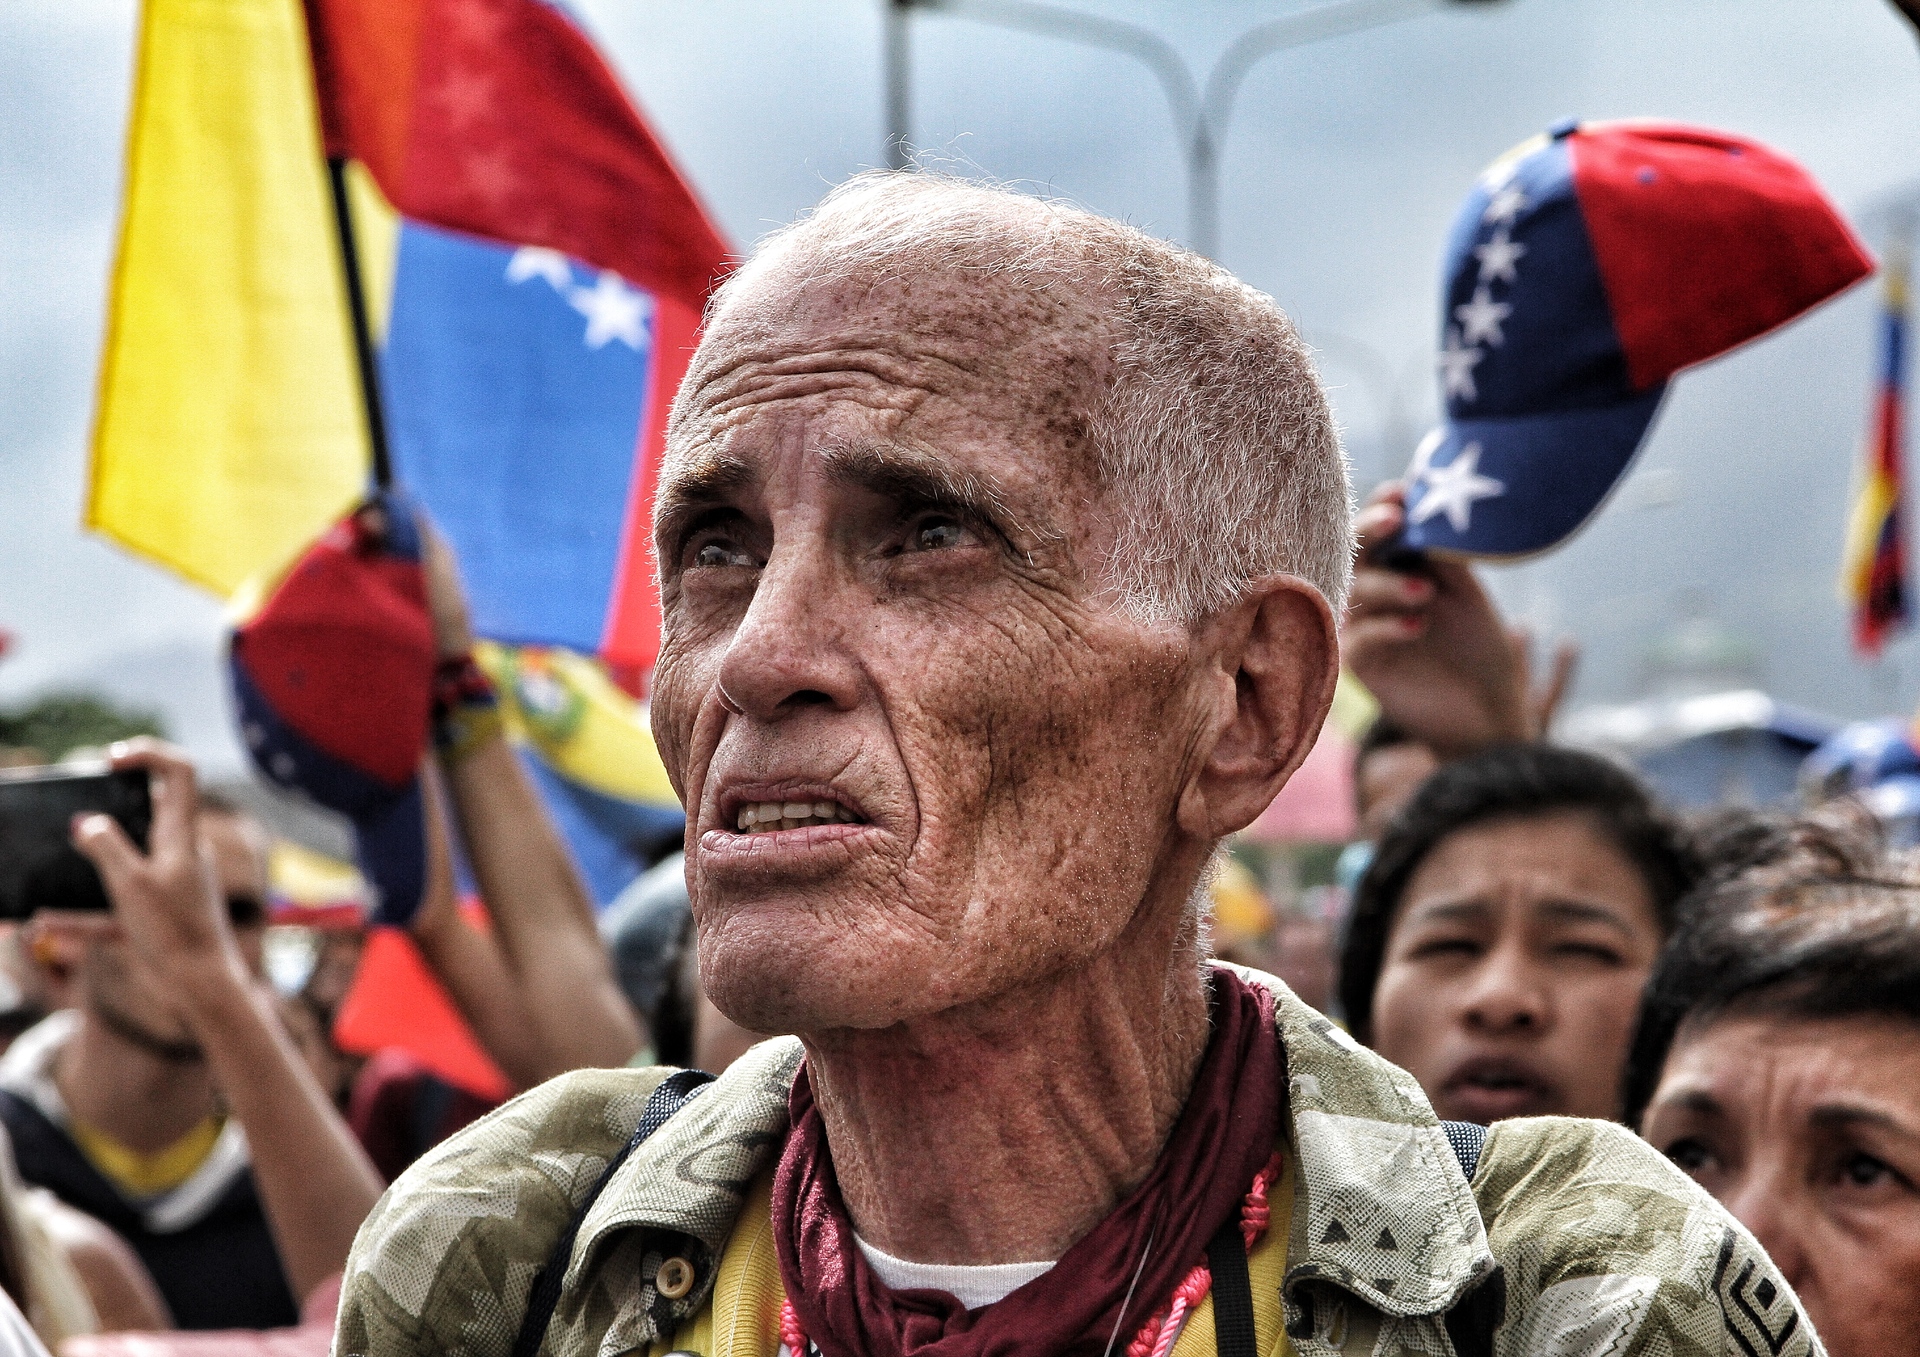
<point x="530" y="261"/>
<point x="613" y="311"/>
<point x="1423" y="455"/>
<point x="1456" y="368"/>
<point x="1453" y="488"/>
<point x="1498" y="256"/>
<point x="1507" y="204"/>
<point x="1480" y="318"/>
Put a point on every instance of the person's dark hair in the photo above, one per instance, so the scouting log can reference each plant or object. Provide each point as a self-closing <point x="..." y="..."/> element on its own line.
<point x="1513" y="781"/>
<point x="1381" y="733"/>
<point x="1805" y="917"/>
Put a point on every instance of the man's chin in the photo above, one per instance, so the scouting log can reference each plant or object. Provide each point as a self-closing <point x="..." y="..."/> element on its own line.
<point x="176" y="1045"/>
<point x="805" y="975"/>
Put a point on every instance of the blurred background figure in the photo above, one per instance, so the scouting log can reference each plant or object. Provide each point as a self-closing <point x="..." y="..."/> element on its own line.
<point x="170" y="1103"/>
<point x="649" y="931"/>
<point x="1877" y="763"/>
<point x="1778" y="1062"/>
<point x="1501" y="936"/>
<point x="1388" y="768"/>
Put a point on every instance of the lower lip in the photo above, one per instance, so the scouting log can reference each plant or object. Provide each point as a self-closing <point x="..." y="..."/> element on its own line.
<point x="1484" y="1103"/>
<point x="723" y="846"/>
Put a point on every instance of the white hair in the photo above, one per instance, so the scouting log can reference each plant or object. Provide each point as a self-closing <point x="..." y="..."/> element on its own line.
<point x="1211" y="436"/>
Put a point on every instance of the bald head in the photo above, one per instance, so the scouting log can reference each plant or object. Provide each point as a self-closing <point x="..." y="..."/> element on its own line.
<point x="1183" y="396"/>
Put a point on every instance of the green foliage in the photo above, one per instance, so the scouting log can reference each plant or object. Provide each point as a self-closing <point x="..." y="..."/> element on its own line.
<point x="59" y="723"/>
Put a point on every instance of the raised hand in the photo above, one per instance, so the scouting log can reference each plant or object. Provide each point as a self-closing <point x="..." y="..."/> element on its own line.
<point x="1429" y="644"/>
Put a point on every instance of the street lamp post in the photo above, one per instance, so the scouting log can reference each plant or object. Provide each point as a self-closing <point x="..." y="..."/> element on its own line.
<point x="899" y="67"/>
<point x="1200" y="113"/>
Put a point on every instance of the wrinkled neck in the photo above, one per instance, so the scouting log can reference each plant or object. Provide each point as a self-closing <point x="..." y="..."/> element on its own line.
<point x="1004" y="1130"/>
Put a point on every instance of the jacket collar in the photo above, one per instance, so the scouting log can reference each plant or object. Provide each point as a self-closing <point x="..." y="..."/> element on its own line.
<point x="1380" y="1208"/>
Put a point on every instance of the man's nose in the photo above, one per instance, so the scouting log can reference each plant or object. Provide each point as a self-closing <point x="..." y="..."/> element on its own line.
<point x="1507" y="994"/>
<point x="1773" y="1204"/>
<point x="791" y="648"/>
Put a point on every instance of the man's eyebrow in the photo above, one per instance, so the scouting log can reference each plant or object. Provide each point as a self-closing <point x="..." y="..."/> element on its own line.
<point x="1469" y="910"/>
<point x="1695" y="1100"/>
<point x="913" y="476"/>
<point x="1584" y="912"/>
<point x="707" y="482"/>
<point x="1840" y="1114"/>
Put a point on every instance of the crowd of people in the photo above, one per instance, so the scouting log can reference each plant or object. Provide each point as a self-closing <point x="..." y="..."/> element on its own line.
<point x="1007" y="570"/>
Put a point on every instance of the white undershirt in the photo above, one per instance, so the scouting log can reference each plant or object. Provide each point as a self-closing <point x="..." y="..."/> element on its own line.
<point x="972" y="1284"/>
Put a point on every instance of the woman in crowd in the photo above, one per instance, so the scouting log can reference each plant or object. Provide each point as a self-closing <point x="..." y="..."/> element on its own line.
<point x="1500" y="938"/>
<point x="1778" y="1062"/>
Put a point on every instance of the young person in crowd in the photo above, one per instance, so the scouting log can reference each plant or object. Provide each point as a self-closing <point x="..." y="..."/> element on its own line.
<point x="1499" y="941"/>
<point x="170" y="1102"/>
<point x="1778" y="1062"/>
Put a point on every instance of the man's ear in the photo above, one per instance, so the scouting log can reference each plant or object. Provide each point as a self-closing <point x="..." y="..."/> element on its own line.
<point x="1277" y="662"/>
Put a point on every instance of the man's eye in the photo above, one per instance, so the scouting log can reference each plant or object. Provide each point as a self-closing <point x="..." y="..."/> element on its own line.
<point x="1690" y="1155"/>
<point x="717" y="554"/>
<point x="1590" y="951"/>
<point x="1863" y="1170"/>
<point x="1446" y="947"/>
<point x="938" y="533"/>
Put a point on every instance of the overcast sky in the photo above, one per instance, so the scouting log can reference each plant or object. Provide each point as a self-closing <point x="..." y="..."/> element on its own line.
<point x="1344" y="163"/>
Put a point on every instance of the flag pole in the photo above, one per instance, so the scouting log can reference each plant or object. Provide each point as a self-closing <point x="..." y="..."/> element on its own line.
<point x="362" y="329"/>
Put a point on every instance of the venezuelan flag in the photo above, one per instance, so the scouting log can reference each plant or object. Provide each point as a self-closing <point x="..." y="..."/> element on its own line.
<point x="549" y="269"/>
<point x="534" y="267"/>
<point x="1874" y="577"/>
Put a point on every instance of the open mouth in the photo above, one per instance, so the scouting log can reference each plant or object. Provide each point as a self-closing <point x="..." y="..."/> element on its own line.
<point x="769" y="817"/>
<point x="1506" y="1087"/>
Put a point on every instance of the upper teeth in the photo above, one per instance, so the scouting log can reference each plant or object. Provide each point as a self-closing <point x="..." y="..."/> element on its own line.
<point x="763" y="817"/>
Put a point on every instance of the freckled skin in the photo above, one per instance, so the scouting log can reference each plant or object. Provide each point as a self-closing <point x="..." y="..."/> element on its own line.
<point x="994" y="973"/>
<point x="972" y="694"/>
<point x="1481" y="966"/>
<point x="1808" y="1131"/>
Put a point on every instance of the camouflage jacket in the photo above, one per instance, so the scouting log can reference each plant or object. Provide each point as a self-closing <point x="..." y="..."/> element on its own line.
<point x="1575" y="1237"/>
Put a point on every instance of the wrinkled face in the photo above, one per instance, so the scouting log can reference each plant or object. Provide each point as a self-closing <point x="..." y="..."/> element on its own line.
<point x="1513" y="973"/>
<point x="952" y="761"/>
<point x="1809" y="1132"/>
<point x="126" y="992"/>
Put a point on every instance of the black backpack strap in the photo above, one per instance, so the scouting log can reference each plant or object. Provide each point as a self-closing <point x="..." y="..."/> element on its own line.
<point x="1467" y="1140"/>
<point x="672" y="1094"/>
<point x="1233" y="1334"/>
<point x="1471" y="1322"/>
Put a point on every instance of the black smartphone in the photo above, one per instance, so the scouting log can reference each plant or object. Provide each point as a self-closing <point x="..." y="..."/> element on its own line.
<point x="39" y="866"/>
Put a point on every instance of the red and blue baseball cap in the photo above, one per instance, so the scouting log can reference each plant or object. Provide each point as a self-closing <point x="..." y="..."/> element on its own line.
<point x="1585" y="269"/>
<point x="333" y="678"/>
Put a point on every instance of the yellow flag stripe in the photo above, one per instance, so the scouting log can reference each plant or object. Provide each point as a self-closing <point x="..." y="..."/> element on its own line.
<point x="228" y="430"/>
<point x="1870" y="509"/>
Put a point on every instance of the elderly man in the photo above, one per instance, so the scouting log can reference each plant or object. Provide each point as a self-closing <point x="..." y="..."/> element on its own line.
<point x="1000" y="548"/>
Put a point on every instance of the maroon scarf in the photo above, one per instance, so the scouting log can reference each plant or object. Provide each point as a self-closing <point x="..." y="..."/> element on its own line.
<point x="1224" y="1137"/>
